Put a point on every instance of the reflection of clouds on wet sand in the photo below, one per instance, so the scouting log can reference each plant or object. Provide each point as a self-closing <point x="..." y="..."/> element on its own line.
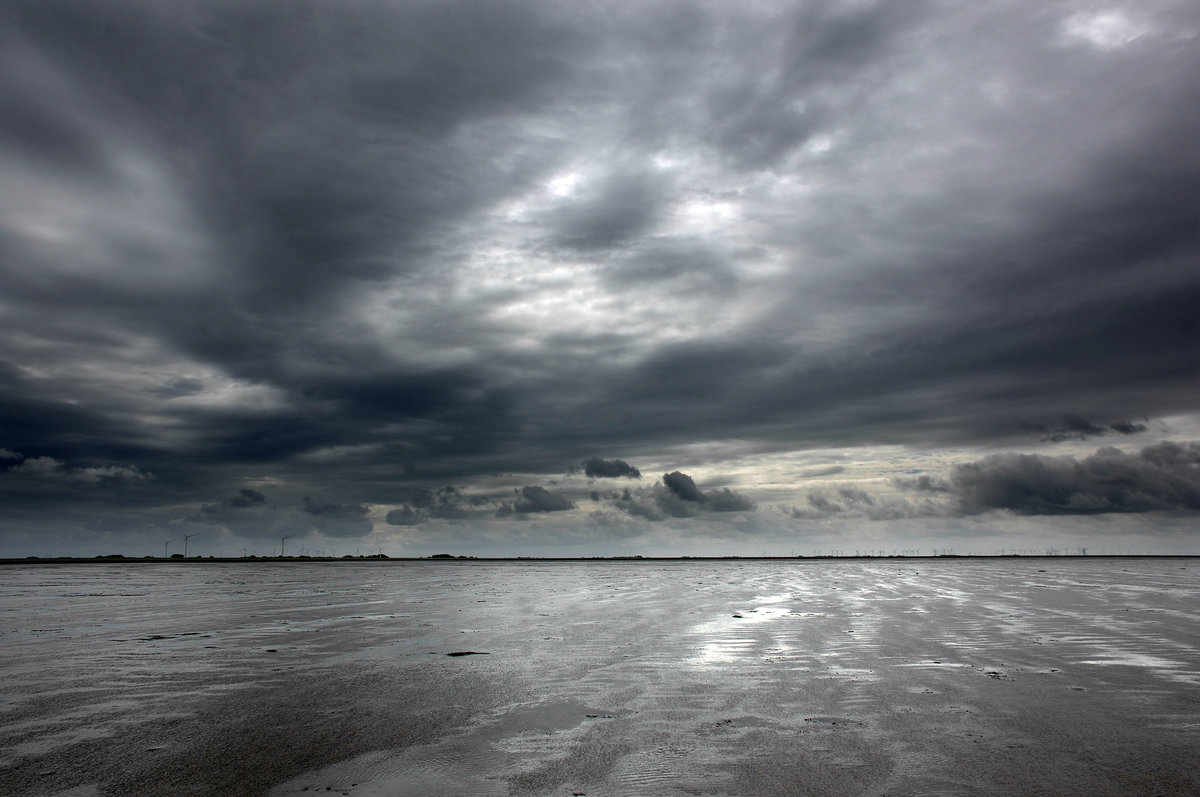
<point x="723" y="677"/>
<point x="732" y="639"/>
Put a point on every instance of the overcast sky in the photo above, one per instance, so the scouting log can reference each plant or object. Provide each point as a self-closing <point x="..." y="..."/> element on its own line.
<point x="599" y="278"/>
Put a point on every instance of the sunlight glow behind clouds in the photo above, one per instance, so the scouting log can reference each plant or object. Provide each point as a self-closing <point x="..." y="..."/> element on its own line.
<point x="1107" y="29"/>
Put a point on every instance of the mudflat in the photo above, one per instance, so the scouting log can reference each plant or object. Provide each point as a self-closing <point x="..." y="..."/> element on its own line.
<point x="1000" y="676"/>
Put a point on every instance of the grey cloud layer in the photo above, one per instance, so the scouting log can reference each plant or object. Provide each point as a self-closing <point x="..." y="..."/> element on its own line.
<point x="373" y="248"/>
<point x="676" y="495"/>
<point x="594" y="467"/>
<point x="251" y="514"/>
<point x="1165" y="476"/>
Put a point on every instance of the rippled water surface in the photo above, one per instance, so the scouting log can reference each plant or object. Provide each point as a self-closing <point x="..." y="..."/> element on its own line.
<point x="740" y="677"/>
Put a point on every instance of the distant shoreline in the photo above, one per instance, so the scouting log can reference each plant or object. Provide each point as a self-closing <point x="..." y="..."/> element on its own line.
<point x="194" y="560"/>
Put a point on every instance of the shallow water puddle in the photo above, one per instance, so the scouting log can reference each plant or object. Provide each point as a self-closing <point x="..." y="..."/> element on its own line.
<point x="736" y="637"/>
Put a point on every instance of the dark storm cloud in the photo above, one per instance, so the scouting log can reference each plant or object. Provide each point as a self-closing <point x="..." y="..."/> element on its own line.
<point x="677" y="496"/>
<point x="682" y="486"/>
<point x="1082" y="356"/>
<point x="251" y="513"/>
<point x="536" y="498"/>
<point x="1074" y="427"/>
<point x="1081" y="427"/>
<point x="37" y="422"/>
<point x="1127" y="427"/>
<point x="245" y="499"/>
<point x="1162" y="477"/>
<point x="338" y="520"/>
<point x="645" y="505"/>
<point x="247" y="514"/>
<point x="378" y="247"/>
<point x="446" y="503"/>
<point x="681" y="372"/>
<point x="596" y="467"/>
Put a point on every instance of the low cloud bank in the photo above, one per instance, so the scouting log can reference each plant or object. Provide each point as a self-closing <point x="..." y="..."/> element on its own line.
<point x="538" y="499"/>
<point x="1076" y="427"/>
<point x="677" y="496"/>
<point x="49" y="469"/>
<point x="250" y="513"/>
<point x="1161" y="477"/>
<point x="855" y="502"/>
<point x="446" y="503"/>
<point x="450" y="503"/>
<point x="338" y="520"/>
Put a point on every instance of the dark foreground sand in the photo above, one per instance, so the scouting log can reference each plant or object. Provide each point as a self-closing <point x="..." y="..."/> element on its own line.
<point x="1052" y="676"/>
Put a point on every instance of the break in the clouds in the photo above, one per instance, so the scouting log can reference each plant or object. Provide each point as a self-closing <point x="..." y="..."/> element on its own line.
<point x="365" y="251"/>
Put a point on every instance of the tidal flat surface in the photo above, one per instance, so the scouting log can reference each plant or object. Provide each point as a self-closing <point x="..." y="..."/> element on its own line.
<point x="859" y="677"/>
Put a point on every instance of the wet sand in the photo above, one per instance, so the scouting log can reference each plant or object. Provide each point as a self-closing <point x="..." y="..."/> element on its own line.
<point x="1026" y="676"/>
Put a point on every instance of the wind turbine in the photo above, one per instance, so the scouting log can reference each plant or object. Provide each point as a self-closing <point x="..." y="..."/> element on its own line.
<point x="166" y="545"/>
<point x="283" y="540"/>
